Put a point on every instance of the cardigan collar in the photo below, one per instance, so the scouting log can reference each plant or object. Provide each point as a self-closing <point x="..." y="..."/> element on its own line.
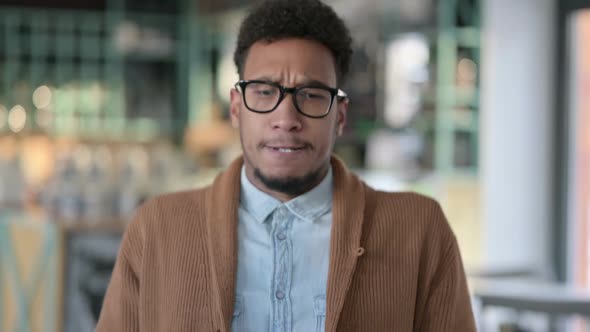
<point x="348" y="206"/>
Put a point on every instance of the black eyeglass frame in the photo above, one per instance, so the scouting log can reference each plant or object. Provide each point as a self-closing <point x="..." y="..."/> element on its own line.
<point x="334" y="92"/>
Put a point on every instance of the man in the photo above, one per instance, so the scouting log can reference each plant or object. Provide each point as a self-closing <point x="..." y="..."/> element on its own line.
<point x="287" y="238"/>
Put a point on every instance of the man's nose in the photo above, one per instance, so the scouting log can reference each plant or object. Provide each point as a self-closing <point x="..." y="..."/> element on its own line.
<point x="285" y="116"/>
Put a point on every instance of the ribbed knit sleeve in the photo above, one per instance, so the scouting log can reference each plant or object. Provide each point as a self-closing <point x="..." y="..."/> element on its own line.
<point x="120" y="310"/>
<point x="447" y="305"/>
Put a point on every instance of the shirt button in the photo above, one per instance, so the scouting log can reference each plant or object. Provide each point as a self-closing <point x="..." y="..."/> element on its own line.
<point x="281" y="236"/>
<point x="280" y="295"/>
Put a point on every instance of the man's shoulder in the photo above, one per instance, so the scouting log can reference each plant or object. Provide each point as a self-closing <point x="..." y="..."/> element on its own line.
<point x="403" y="195"/>
<point x="172" y="209"/>
<point x="407" y="209"/>
<point x="166" y="224"/>
<point x="401" y="201"/>
<point x="173" y="200"/>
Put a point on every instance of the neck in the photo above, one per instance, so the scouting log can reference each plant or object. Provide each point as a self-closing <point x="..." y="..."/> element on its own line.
<point x="291" y="187"/>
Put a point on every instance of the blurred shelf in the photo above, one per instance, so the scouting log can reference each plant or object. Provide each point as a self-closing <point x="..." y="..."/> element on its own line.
<point x="525" y="295"/>
<point x="463" y="120"/>
<point x="468" y="37"/>
<point x="460" y="96"/>
<point x="87" y="226"/>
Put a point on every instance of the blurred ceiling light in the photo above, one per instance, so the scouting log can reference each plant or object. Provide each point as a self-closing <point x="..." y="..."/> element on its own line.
<point x="3" y="116"/>
<point x="127" y="37"/>
<point x="44" y="118"/>
<point x="467" y="70"/>
<point x="17" y="118"/>
<point x="406" y="66"/>
<point x="42" y="96"/>
<point x="408" y="57"/>
<point x="155" y="42"/>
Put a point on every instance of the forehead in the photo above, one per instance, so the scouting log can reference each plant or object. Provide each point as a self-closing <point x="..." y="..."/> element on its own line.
<point x="290" y="60"/>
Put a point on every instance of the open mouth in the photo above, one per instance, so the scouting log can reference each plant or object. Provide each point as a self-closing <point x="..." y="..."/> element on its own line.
<point x="287" y="150"/>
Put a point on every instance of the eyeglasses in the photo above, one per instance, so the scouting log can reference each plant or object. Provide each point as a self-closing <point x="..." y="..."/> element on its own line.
<point x="265" y="97"/>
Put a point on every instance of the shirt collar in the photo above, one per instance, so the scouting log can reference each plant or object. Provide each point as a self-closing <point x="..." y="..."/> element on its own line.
<point x="309" y="206"/>
<point x="314" y="203"/>
<point x="258" y="203"/>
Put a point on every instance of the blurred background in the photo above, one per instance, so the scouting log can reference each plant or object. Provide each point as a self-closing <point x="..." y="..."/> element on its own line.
<point x="482" y="104"/>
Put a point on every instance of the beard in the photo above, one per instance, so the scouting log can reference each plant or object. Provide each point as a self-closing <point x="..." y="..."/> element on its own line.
<point x="292" y="185"/>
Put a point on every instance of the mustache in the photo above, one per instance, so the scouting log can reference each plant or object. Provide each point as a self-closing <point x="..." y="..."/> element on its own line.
<point x="285" y="141"/>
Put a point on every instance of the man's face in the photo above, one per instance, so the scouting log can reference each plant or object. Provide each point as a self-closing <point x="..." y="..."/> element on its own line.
<point x="285" y="152"/>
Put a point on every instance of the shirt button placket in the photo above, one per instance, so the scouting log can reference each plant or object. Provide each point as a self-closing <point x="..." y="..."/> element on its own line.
<point x="283" y="270"/>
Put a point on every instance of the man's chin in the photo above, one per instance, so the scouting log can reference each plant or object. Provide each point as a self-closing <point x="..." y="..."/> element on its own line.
<point x="277" y="173"/>
<point x="290" y="183"/>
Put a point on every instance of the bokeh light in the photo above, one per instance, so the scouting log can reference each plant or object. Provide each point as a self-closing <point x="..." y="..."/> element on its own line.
<point x="42" y="96"/>
<point x="17" y="118"/>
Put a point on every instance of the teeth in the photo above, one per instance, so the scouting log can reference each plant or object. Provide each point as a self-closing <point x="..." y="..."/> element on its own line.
<point x="286" y="150"/>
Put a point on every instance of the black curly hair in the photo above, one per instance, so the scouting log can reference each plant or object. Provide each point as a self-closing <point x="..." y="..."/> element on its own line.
<point x="272" y="20"/>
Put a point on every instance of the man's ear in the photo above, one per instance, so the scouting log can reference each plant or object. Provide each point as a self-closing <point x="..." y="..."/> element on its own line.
<point x="235" y="106"/>
<point x="342" y="110"/>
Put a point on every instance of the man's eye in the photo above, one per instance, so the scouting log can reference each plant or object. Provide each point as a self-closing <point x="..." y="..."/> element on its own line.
<point x="312" y="95"/>
<point x="265" y="93"/>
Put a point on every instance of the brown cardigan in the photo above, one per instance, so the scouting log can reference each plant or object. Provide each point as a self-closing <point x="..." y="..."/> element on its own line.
<point x="394" y="263"/>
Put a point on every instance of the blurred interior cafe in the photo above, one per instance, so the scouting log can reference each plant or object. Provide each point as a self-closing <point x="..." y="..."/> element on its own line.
<point x="482" y="104"/>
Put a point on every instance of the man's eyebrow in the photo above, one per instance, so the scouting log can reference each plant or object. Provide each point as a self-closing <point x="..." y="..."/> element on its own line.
<point x="304" y="82"/>
<point x="265" y="79"/>
<point x="315" y="83"/>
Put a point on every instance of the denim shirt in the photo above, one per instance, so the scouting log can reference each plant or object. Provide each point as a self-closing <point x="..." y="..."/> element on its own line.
<point x="283" y="257"/>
